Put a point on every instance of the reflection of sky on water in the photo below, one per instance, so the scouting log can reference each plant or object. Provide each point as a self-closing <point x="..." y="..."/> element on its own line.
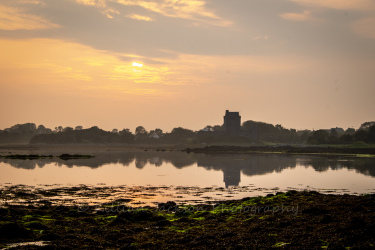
<point x="177" y="168"/>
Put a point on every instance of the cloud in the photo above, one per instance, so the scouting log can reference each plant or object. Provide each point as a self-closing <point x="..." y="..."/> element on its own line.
<point x="15" y="19"/>
<point x="55" y="62"/>
<point x="365" y="27"/>
<point x="139" y="17"/>
<point x="17" y="2"/>
<point x="102" y="6"/>
<point x="182" y="26"/>
<point x="362" y="23"/>
<point x="186" y="9"/>
<point x="361" y="5"/>
<point x="304" y="16"/>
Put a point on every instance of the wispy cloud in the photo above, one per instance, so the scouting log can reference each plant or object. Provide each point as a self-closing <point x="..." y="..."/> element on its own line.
<point x="362" y="5"/>
<point x="101" y="5"/>
<point x="187" y="9"/>
<point x="25" y="2"/>
<point x="15" y="19"/>
<point x="139" y="17"/>
<point x="364" y="27"/>
<point x="304" y="16"/>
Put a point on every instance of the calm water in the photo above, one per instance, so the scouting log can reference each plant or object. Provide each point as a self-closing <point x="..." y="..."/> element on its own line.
<point x="269" y="171"/>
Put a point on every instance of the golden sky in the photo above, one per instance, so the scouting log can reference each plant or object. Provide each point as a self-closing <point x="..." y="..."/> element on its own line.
<point x="168" y="63"/>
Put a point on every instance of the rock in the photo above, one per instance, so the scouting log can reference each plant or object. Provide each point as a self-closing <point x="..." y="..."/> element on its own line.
<point x="314" y="211"/>
<point x="4" y="211"/>
<point x="138" y="215"/>
<point x="14" y="231"/>
<point x="37" y="225"/>
<point x="327" y="219"/>
<point x="291" y="192"/>
<point x="169" y="206"/>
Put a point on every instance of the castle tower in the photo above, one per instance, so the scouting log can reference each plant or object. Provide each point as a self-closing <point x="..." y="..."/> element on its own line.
<point x="232" y="123"/>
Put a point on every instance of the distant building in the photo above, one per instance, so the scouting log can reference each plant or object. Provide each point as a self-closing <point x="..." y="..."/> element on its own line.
<point x="154" y="136"/>
<point x="232" y="123"/>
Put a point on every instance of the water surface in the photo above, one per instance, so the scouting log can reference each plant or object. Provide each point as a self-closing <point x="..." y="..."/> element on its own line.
<point x="181" y="176"/>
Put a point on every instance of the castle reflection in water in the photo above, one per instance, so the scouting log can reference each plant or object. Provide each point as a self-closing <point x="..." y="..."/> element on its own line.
<point x="232" y="165"/>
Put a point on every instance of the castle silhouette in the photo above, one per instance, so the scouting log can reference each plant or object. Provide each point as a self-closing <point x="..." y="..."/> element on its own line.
<point x="232" y="123"/>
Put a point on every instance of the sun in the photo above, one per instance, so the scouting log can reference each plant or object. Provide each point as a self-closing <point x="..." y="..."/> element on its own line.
<point x="135" y="64"/>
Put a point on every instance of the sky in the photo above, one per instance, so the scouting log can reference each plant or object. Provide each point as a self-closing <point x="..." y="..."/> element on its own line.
<point x="304" y="64"/>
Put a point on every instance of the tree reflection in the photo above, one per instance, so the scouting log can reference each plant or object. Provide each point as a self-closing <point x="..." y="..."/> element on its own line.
<point x="232" y="165"/>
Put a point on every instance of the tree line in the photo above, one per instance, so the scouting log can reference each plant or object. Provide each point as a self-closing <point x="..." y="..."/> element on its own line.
<point x="252" y="131"/>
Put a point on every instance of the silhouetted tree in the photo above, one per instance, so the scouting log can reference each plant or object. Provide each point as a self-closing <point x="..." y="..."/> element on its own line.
<point x="304" y="135"/>
<point x="19" y="133"/>
<point x="267" y="132"/>
<point x="67" y="129"/>
<point x="78" y="128"/>
<point x="159" y="132"/>
<point x="179" y="135"/>
<point x="350" y="131"/>
<point x="43" y="130"/>
<point x="346" y="139"/>
<point x="218" y="128"/>
<point x="371" y="137"/>
<point x="333" y="136"/>
<point x="126" y="136"/>
<point x="125" y="131"/>
<point x="141" y="134"/>
<point x="140" y="130"/>
<point x="183" y="132"/>
<point x="361" y="135"/>
<point x="319" y="137"/>
<point x="58" y="129"/>
<point x="366" y="125"/>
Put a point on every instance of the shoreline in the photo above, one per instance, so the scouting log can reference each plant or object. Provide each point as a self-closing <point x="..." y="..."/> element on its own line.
<point x="288" y="220"/>
<point x="305" y="150"/>
<point x="212" y="149"/>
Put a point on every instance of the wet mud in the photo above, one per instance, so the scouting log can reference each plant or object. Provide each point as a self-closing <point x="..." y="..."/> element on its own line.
<point x="287" y="220"/>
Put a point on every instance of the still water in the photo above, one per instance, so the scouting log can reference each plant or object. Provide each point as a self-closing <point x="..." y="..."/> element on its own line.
<point x="241" y="174"/>
<point x="178" y="168"/>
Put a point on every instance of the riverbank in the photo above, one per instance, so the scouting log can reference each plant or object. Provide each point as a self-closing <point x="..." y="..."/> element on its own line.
<point x="317" y="150"/>
<point x="352" y="151"/>
<point x="286" y="220"/>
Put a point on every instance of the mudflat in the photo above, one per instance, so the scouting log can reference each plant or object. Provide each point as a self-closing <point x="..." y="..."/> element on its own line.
<point x="291" y="220"/>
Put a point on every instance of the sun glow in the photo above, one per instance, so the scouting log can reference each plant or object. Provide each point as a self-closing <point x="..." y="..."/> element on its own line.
<point x="135" y="64"/>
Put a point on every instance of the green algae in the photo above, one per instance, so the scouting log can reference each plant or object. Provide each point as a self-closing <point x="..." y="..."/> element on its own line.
<point x="192" y="227"/>
<point x="280" y="244"/>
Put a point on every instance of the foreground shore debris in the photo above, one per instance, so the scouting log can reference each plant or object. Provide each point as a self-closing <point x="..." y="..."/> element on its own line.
<point x="281" y="220"/>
